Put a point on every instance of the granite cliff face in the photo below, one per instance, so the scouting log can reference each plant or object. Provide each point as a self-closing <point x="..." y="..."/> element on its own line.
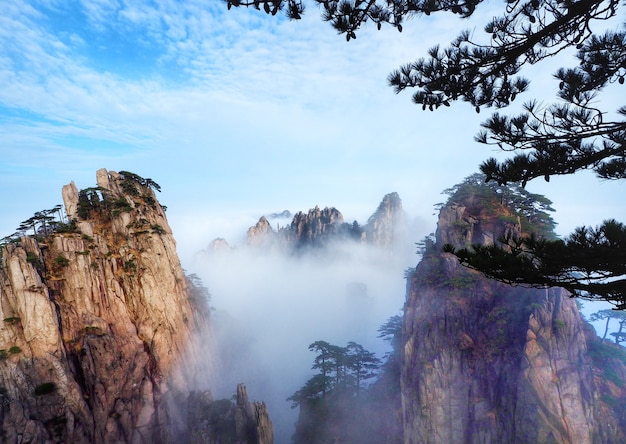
<point x="100" y="327"/>
<point x="487" y="363"/>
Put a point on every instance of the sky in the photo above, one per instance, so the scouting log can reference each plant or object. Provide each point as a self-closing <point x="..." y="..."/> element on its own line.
<point x="237" y="114"/>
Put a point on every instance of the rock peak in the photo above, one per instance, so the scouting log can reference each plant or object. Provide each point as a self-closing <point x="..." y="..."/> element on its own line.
<point x="104" y="326"/>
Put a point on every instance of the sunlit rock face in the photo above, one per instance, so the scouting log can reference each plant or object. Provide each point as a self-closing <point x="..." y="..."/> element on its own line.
<point x="261" y="235"/>
<point x="487" y="363"/>
<point x="98" y="331"/>
<point x="315" y="227"/>
<point x="388" y="224"/>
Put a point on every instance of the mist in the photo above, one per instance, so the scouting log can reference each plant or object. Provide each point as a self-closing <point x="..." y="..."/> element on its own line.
<point x="270" y="304"/>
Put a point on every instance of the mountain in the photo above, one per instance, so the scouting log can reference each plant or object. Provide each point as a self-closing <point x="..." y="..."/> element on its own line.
<point x="318" y="227"/>
<point x="484" y="362"/>
<point x="102" y="334"/>
<point x="387" y="225"/>
<point x="477" y="361"/>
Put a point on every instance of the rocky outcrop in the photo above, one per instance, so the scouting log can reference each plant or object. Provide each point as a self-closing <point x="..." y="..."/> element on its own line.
<point x="487" y="363"/>
<point x="98" y="329"/>
<point x="388" y="224"/>
<point x="221" y="421"/>
<point x="462" y="228"/>
<point x="219" y="244"/>
<point x="315" y="227"/>
<point x="261" y="235"/>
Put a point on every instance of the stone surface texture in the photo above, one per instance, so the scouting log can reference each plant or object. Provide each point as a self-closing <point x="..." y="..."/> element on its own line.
<point x="98" y="324"/>
<point x="484" y="362"/>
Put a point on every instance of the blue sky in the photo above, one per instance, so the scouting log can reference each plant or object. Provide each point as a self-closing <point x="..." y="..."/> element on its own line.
<point x="236" y="114"/>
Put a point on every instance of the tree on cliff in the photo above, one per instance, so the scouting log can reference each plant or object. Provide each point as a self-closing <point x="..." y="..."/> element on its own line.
<point x="589" y="262"/>
<point x="570" y="135"/>
<point x="333" y="402"/>
<point x="341" y="370"/>
<point x="610" y="315"/>
<point x="487" y="198"/>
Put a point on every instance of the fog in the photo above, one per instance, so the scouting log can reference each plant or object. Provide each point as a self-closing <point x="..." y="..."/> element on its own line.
<point x="269" y="305"/>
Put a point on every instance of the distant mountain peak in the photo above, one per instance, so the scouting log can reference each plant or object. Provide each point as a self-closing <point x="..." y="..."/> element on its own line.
<point x="317" y="227"/>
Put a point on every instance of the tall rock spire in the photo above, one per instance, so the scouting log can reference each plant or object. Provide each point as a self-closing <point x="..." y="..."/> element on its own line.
<point x="97" y="321"/>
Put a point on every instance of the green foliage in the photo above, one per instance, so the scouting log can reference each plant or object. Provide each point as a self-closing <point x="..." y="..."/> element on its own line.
<point x="605" y="356"/>
<point x="341" y="369"/>
<point x="45" y="389"/>
<point x="609" y="315"/>
<point x="462" y="282"/>
<point x="41" y="224"/>
<point x="130" y="187"/>
<point x="559" y="325"/>
<point x="408" y="272"/>
<point x="89" y="200"/>
<point x="199" y="295"/>
<point x="15" y="350"/>
<point x="149" y="200"/>
<point x="94" y="199"/>
<point x="130" y="266"/>
<point x="482" y="197"/>
<point x="121" y="204"/>
<point x="70" y="227"/>
<point x="391" y="329"/>
<point x="61" y="261"/>
<point x="158" y="229"/>
<point x="32" y="258"/>
<point x="12" y="320"/>
<point x="129" y="178"/>
<point x="590" y="263"/>
<point x="93" y="330"/>
<point x="336" y="402"/>
<point x="3" y="355"/>
<point x="426" y="247"/>
<point x="315" y="388"/>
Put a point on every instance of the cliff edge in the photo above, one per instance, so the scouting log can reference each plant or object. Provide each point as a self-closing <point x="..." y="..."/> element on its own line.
<point x="98" y="326"/>
<point x="484" y="362"/>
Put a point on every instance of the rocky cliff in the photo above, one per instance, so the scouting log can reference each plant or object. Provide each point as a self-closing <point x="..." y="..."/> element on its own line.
<point x="221" y="421"/>
<point x="100" y="329"/>
<point x="387" y="225"/>
<point x="315" y="227"/>
<point x="318" y="227"/>
<point x="487" y="363"/>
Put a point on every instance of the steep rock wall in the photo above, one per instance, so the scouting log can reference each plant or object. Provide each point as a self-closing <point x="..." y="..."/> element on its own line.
<point x="388" y="224"/>
<point x="487" y="363"/>
<point x="98" y="323"/>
